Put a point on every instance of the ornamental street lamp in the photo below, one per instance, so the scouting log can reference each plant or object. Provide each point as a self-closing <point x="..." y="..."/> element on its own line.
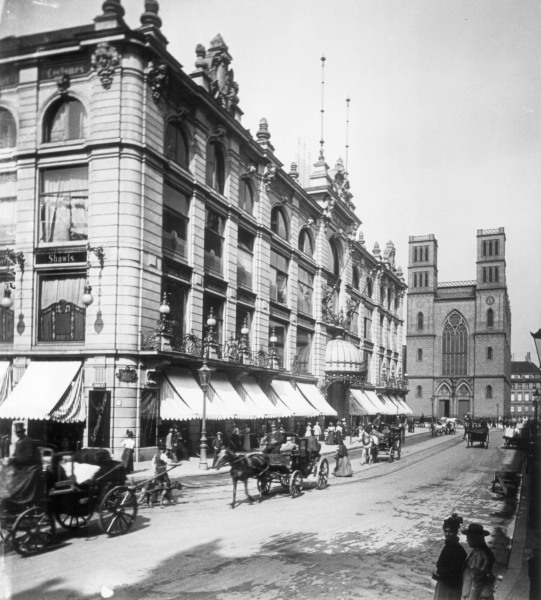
<point x="535" y="401"/>
<point x="204" y="377"/>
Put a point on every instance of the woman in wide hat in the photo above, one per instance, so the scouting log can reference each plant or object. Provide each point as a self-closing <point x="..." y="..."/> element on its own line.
<point x="450" y="564"/>
<point x="478" y="579"/>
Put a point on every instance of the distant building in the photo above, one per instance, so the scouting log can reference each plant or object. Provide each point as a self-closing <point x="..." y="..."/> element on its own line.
<point x="135" y="205"/>
<point x="525" y="378"/>
<point x="459" y="333"/>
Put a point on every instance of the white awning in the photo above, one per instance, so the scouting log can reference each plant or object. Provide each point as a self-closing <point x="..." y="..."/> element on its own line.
<point x="315" y="397"/>
<point x="183" y="398"/>
<point x="5" y="380"/>
<point x="293" y="399"/>
<point x="378" y="404"/>
<point x="242" y="408"/>
<point x="390" y="406"/>
<point x="41" y="390"/>
<point x="361" y="404"/>
<point x="248" y="386"/>
<point x="404" y="408"/>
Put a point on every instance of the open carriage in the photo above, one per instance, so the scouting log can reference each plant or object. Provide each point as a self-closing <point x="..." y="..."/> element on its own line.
<point x="69" y="488"/>
<point x="517" y="436"/>
<point x="477" y="433"/>
<point x="389" y="442"/>
<point x="292" y="467"/>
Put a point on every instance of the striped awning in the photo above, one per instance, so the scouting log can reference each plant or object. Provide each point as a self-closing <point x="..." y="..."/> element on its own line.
<point x="5" y="380"/>
<point x="390" y="407"/>
<point x="316" y="398"/>
<point x="404" y="408"/>
<point x="236" y="405"/>
<point x="293" y="399"/>
<point x="377" y="403"/>
<point x="47" y="390"/>
<point x="360" y="403"/>
<point x="266" y="407"/>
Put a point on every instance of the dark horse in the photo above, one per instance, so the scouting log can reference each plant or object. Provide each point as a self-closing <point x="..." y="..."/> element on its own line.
<point x="243" y="467"/>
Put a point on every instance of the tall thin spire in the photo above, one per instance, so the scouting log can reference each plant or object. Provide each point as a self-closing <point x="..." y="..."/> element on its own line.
<point x="321" y="141"/>
<point x="347" y="132"/>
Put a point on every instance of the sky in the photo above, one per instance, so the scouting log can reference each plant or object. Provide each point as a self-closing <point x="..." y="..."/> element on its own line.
<point x="444" y="117"/>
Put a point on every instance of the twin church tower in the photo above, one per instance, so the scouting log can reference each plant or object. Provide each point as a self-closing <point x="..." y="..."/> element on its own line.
<point x="459" y="333"/>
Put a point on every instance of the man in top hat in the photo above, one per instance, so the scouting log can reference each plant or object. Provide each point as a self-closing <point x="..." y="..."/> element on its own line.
<point x="478" y="579"/>
<point x="26" y="453"/>
<point x="274" y="440"/>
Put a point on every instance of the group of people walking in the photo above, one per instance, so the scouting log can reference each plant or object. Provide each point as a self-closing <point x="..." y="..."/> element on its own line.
<point x="461" y="576"/>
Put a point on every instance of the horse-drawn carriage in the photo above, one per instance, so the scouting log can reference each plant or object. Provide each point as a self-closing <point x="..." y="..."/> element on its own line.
<point x="292" y="467"/>
<point x="517" y="436"/>
<point x="449" y="424"/>
<point x="437" y="428"/>
<point x="477" y="432"/>
<point x="389" y="442"/>
<point x="68" y="487"/>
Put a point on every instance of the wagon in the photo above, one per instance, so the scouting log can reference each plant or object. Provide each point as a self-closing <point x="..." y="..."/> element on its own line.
<point x="291" y="468"/>
<point x="68" y="490"/>
<point x="477" y="433"/>
<point x="516" y="437"/>
<point x="389" y="442"/>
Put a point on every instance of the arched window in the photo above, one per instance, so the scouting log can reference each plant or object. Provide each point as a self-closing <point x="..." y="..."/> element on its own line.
<point x="306" y="244"/>
<point x="420" y="321"/>
<point x="489" y="353"/>
<point x="8" y="129"/>
<point x="215" y="167"/>
<point x="176" y="146"/>
<point x="246" y="197"/>
<point x="419" y="392"/>
<point x="419" y="354"/>
<point x="455" y="346"/>
<point x="279" y="223"/>
<point x="336" y="258"/>
<point x="65" y="120"/>
<point x="490" y="318"/>
<point x="488" y="392"/>
<point x="355" y="281"/>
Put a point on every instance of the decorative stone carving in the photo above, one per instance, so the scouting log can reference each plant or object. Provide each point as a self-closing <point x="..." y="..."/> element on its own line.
<point x="215" y="63"/>
<point x="150" y="16"/>
<point x="218" y="135"/>
<point x="269" y="177"/>
<point x="341" y="183"/>
<point x="157" y="79"/>
<point x="63" y="82"/>
<point x="104" y="60"/>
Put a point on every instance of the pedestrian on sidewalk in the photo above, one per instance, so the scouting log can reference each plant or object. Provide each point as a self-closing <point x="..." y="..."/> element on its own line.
<point x="217" y="445"/>
<point x="478" y="579"/>
<point x="343" y="466"/>
<point x="127" y="454"/>
<point x="317" y="430"/>
<point x="366" y="443"/>
<point x="450" y="565"/>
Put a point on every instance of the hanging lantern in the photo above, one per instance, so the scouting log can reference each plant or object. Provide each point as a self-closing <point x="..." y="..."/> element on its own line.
<point x="7" y="301"/>
<point x="87" y="297"/>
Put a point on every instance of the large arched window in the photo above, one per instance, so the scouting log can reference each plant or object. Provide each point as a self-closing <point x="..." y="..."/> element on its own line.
<point x="419" y="354"/>
<point x="279" y="223"/>
<point x="455" y="346"/>
<point x="420" y="321"/>
<point x="65" y="120"/>
<point x="490" y="353"/>
<point x="306" y="244"/>
<point x="8" y="129"/>
<point x="246" y="197"/>
<point x="490" y="318"/>
<point x="176" y="146"/>
<point x="488" y="392"/>
<point x="215" y="177"/>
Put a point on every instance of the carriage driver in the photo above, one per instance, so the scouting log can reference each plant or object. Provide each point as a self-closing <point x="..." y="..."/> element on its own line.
<point x="274" y="440"/>
<point x="26" y="453"/>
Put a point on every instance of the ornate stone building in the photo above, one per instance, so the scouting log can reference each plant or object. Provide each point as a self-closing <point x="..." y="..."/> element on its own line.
<point x="143" y="228"/>
<point x="459" y="333"/>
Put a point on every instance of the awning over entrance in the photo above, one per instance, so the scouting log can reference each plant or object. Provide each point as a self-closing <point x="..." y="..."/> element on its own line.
<point x="248" y="386"/>
<point x="234" y="403"/>
<point x="293" y="399"/>
<point x="184" y="398"/>
<point x="316" y="398"/>
<point x="390" y="407"/>
<point x="45" y="389"/>
<point x="360" y="404"/>
<point x="5" y="380"/>
<point x="404" y="408"/>
<point x="377" y="403"/>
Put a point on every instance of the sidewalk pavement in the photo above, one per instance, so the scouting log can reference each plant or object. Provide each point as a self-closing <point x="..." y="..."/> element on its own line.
<point x="190" y="469"/>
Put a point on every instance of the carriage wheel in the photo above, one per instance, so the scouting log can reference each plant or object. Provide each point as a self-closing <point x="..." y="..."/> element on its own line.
<point x="71" y="522"/>
<point x="295" y="484"/>
<point x="32" y="531"/>
<point x="264" y="485"/>
<point x="118" y="510"/>
<point x="322" y="474"/>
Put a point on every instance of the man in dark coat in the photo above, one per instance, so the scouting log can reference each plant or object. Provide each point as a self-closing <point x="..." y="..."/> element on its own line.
<point x="24" y="482"/>
<point x="217" y="445"/>
<point x="26" y="453"/>
<point x="274" y="440"/>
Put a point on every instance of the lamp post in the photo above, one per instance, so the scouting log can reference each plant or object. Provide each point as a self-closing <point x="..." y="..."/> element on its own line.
<point x="535" y="402"/>
<point x="204" y="377"/>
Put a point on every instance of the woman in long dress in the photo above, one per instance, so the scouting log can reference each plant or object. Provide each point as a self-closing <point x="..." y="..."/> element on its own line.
<point x="343" y="466"/>
<point x="451" y="562"/>
<point x="331" y="437"/>
<point x="127" y="454"/>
